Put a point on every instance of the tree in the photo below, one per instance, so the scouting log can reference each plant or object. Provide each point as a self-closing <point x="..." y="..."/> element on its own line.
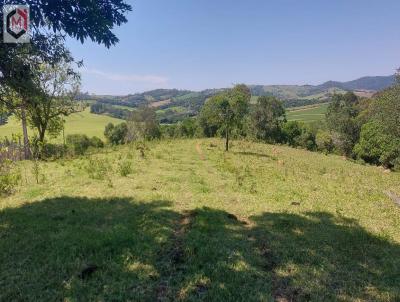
<point x="143" y="124"/>
<point x="267" y="119"/>
<point x="52" y="21"/>
<point x="225" y="112"/>
<point x="59" y="86"/>
<point x="385" y="108"/>
<point x="291" y="130"/>
<point x="209" y="121"/>
<point x="341" y="118"/>
<point x="187" y="128"/>
<point x="377" y="146"/>
<point x="12" y="102"/>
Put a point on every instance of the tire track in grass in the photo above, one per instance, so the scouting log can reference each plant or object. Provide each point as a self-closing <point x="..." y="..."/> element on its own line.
<point x="173" y="256"/>
<point x="200" y="152"/>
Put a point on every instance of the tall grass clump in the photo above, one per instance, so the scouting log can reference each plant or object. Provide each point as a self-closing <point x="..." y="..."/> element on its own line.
<point x="10" y="177"/>
<point x="125" y="167"/>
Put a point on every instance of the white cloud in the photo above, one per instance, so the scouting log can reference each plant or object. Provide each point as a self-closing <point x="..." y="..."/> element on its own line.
<point x="132" y="78"/>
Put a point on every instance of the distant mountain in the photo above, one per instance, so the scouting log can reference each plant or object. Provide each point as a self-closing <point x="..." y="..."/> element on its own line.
<point x="325" y="90"/>
<point x="174" y="104"/>
<point x="364" y="83"/>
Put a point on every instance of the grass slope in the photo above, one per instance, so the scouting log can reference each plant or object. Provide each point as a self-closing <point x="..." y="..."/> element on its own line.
<point x="193" y="223"/>
<point x="82" y="123"/>
<point x="307" y="113"/>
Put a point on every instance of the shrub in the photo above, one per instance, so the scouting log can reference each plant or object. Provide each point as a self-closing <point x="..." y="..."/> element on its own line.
<point x="10" y="176"/>
<point x="168" y="131"/>
<point x="98" y="168"/>
<point x="36" y="172"/>
<point x="142" y="148"/>
<point x="78" y="143"/>
<point x="377" y="146"/>
<point x="96" y="142"/>
<point x="53" y="151"/>
<point x="125" y="168"/>
<point x="296" y="134"/>
<point x="306" y="140"/>
<point x="324" y="141"/>
<point x="291" y="130"/>
<point x="116" y="135"/>
<point x="187" y="128"/>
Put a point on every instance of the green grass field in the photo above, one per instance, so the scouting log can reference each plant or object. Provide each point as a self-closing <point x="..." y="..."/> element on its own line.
<point x="193" y="223"/>
<point x="77" y="123"/>
<point x="307" y="113"/>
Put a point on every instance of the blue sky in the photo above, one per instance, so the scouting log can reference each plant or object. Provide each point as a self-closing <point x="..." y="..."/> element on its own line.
<point x="198" y="44"/>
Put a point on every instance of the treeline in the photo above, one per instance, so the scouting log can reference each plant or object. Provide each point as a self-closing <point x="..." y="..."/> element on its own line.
<point x="366" y="130"/>
<point x="303" y="102"/>
<point x="100" y="108"/>
<point x="192" y="107"/>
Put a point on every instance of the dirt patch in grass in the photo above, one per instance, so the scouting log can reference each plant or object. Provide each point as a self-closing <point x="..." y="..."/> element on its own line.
<point x="200" y="152"/>
<point x="160" y="103"/>
<point x="394" y="197"/>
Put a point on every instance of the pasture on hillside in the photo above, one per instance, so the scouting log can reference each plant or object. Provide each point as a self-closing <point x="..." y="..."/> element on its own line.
<point x="307" y="113"/>
<point x="76" y="123"/>
<point x="190" y="222"/>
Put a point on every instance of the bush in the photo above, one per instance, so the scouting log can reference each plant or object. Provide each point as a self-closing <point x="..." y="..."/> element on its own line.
<point x="291" y="130"/>
<point x="53" y="151"/>
<point x="98" y="168"/>
<point x="125" y="168"/>
<point x="324" y="141"/>
<point x="116" y="135"/>
<point x="78" y="143"/>
<point x="44" y="150"/>
<point x="168" y="131"/>
<point x="96" y="142"/>
<point x="296" y="134"/>
<point x="9" y="177"/>
<point x="306" y="140"/>
<point x="187" y="128"/>
<point x="376" y="146"/>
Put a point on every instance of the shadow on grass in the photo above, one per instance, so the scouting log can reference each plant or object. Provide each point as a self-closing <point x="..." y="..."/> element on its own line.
<point x="319" y="257"/>
<point x="47" y="244"/>
<point x="144" y="251"/>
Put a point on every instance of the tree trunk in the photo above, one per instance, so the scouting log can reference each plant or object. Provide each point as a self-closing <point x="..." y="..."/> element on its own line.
<point x="42" y="132"/>
<point x="227" y="140"/>
<point x="27" y="151"/>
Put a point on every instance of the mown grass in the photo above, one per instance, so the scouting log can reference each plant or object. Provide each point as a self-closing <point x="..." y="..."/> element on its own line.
<point x="77" y="123"/>
<point x="193" y="223"/>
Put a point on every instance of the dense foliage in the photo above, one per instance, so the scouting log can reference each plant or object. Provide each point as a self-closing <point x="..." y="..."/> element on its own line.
<point x="116" y="135"/>
<point x="100" y="108"/>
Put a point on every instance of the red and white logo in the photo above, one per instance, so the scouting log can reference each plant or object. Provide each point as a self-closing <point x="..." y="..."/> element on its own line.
<point x="16" y="23"/>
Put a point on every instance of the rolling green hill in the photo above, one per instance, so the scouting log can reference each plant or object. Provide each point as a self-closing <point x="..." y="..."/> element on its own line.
<point x="82" y="122"/>
<point x="193" y="223"/>
<point x="291" y="95"/>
